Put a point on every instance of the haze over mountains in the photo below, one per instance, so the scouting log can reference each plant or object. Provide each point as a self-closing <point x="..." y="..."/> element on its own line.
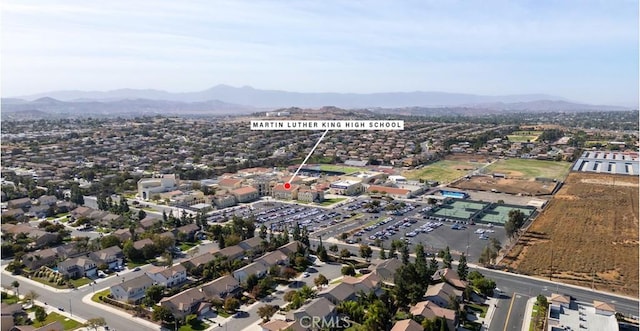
<point x="224" y="99"/>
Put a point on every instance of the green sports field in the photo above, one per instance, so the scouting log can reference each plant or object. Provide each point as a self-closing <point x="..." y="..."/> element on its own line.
<point x="529" y="169"/>
<point x="442" y="171"/>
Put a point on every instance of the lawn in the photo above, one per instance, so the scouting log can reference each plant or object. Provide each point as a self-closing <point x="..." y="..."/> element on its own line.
<point x="197" y="325"/>
<point x="97" y="295"/>
<point x="339" y="168"/>
<point x="67" y="324"/>
<point x="223" y="313"/>
<point x="482" y="309"/>
<point x="9" y="299"/>
<point x="185" y="246"/>
<point x="328" y="202"/>
<point x="80" y="281"/>
<point x="133" y="264"/>
<point x="529" y="169"/>
<point x="442" y="171"/>
<point x="521" y="139"/>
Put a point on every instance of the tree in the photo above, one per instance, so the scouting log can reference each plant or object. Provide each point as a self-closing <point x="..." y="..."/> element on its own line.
<point x="265" y="312"/>
<point x="231" y="304"/>
<point x="404" y="253"/>
<point x="463" y="269"/>
<point x="141" y="214"/>
<point x="344" y="253"/>
<point x="348" y="270"/>
<point x="365" y="252"/>
<point x="321" y="280"/>
<point x="288" y="272"/>
<point x="154" y="294"/>
<point x="95" y="323"/>
<point x="446" y="258"/>
<point x="31" y="296"/>
<point x="162" y="313"/>
<point x="263" y="232"/>
<point x="108" y="241"/>
<point x="15" y="284"/>
<point x="333" y="248"/>
<point x="41" y="314"/>
<point x="433" y="266"/>
<point x="383" y="254"/>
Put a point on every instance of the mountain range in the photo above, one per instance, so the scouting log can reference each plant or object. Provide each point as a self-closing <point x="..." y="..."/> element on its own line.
<point x="224" y="99"/>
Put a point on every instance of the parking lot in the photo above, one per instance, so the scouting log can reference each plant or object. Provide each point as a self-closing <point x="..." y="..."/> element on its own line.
<point x="373" y="223"/>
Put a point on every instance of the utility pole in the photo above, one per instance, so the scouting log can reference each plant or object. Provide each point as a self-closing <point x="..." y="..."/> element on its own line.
<point x="551" y="267"/>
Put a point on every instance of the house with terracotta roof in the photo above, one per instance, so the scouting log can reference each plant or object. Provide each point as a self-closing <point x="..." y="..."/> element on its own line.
<point x="230" y="183"/>
<point x="450" y="276"/>
<point x="407" y="325"/>
<point x="442" y="294"/>
<point x="245" y="194"/>
<point x="430" y="310"/>
<point x="391" y="191"/>
<point x="276" y="325"/>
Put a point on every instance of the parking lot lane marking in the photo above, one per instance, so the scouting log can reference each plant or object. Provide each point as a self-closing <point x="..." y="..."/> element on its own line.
<point x="506" y="322"/>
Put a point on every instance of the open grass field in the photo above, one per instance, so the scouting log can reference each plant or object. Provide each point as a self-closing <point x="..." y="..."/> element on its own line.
<point x="511" y="186"/>
<point x="530" y="169"/>
<point x="339" y="168"/>
<point x="591" y="226"/>
<point x="442" y="171"/>
<point x="524" y="136"/>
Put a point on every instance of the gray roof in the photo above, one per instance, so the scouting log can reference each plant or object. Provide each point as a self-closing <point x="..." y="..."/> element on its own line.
<point x="219" y="285"/>
<point x="317" y="307"/>
<point x="135" y="283"/>
<point x="251" y="243"/>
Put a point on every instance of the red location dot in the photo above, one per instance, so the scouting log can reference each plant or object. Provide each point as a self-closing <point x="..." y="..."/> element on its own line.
<point x="287" y="186"/>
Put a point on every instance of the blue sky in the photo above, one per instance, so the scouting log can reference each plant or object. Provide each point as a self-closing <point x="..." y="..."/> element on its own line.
<point x="585" y="51"/>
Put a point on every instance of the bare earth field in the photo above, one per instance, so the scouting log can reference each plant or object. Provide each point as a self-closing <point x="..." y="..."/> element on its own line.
<point x="590" y="232"/>
<point x="511" y="186"/>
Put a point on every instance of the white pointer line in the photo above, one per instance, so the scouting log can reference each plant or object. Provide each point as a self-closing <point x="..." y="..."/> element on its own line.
<point x="309" y="155"/>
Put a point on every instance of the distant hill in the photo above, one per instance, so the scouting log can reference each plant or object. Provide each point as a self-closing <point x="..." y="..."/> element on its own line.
<point x="250" y="97"/>
<point x="48" y="107"/>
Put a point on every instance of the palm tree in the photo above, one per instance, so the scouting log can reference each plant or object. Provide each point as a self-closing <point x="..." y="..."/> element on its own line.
<point x="15" y="285"/>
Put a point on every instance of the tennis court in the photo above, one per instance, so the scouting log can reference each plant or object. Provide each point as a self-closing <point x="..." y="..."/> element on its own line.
<point x="460" y="209"/>
<point x="500" y="214"/>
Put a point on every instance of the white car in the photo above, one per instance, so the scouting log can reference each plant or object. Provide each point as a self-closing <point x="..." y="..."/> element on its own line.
<point x="305" y="274"/>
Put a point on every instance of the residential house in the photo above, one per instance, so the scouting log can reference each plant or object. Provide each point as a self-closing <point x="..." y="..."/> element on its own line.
<point x="112" y="257"/>
<point x="140" y="244"/>
<point x="168" y="277"/>
<point x="366" y="283"/>
<point x="8" y="314"/>
<point x="386" y="269"/>
<point x="407" y="325"/>
<point x="450" y="276"/>
<point x="189" y="230"/>
<point x="48" y="200"/>
<point x="132" y="290"/>
<point x="78" y="267"/>
<point x="273" y="258"/>
<point x="337" y="293"/>
<point x="149" y="222"/>
<point x="251" y="246"/>
<point x="317" y="308"/>
<point x="16" y="213"/>
<point x="184" y="303"/>
<point x="198" y="261"/>
<point x="291" y="247"/>
<point x="277" y="325"/>
<point x="23" y="203"/>
<point x="245" y="194"/>
<point x="430" y="310"/>
<point x="231" y="252"/>
<point x="221" y="287"/>
<point x="442" y="294"/>
<point x="257" y="268"/>
<point x="39" y="237"/>
<point x="37" y="259"/>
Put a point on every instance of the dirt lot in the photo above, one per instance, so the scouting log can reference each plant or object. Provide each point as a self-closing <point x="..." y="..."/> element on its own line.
<point x="512" y="186"/>
<point x="590" y="230"/>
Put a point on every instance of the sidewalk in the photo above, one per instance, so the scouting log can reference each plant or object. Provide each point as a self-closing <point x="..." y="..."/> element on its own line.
<point x="87" y="300"/>
<point x="527" y="314"/>
<point x="486" y="320"/>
